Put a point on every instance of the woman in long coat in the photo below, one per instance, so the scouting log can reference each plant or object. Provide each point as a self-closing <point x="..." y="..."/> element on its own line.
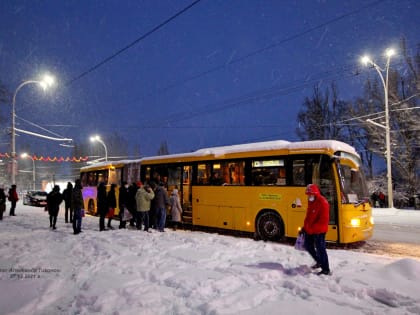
<point x="102" y="205"/>
<point x="54" y="200"/>
<point x="176" y="209"/>
<point x="112" y="204"/>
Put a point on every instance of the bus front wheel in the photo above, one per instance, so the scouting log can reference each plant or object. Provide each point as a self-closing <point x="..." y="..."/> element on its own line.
<point x="269" y="226"/>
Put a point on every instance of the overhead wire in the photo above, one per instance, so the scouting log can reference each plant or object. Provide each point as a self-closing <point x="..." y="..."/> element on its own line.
<point x="261" y="50"/>
<point x="136" y="41"/>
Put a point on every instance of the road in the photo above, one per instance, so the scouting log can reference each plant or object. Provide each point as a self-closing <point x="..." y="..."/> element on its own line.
<point x="392" y="225"/>
<point x="396" y="233"/>
<point x="392" y="232"/>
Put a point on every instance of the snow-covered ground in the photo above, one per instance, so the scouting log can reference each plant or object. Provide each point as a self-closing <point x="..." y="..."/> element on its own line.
<point x="183" y="272"/>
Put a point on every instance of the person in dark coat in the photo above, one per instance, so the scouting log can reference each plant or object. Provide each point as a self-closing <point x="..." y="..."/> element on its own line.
<point x="102" y="205"/>
<point x="112" y="204"/>
<point x="161" y="201"/>
<point x="2" y="202"/>
<point x="54" y="199"/>
<point x="123" y="197"/>
<point x="77" y="205"/>
<point x="13" y="198"/>
<point x="131" y="203"/>
<point x="67" y="194"/>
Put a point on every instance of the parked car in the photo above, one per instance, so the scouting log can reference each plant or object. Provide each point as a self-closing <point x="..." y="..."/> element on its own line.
<point x="35" y="198"/>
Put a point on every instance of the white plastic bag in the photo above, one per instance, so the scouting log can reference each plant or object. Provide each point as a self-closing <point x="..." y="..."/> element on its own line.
<point x="300" y="242"/>
<point x="127" y="215"/>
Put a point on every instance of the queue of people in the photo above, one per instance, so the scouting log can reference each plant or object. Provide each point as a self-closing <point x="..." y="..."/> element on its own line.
<point x="141" y="206"/>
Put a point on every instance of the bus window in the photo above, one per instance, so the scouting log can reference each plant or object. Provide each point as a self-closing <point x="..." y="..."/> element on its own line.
<point x="91" y="179"/>
<point x="353" y="184"/>
<point x="114" y="176"/>
<point x="203" y="174"/>
<point x="298" y="173"/>
<point x="131" y="173"/>
<point x="186" y="177"/>
<point x="268" y="172"/>
<point x="102" y="178"/>
<point x="229" y="173"/>
<point x="174" y="177"/>
<point x="84" y="179"/>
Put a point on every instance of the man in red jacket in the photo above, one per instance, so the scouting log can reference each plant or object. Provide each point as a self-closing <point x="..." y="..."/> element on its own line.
<point x="315" y="227"/>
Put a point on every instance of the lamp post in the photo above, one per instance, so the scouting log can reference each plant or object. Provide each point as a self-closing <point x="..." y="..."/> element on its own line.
<point x="98" y="139"/>
<point x="45" y="83"/>
<point x="24" y="156"/>
<point x="366" y="60"/>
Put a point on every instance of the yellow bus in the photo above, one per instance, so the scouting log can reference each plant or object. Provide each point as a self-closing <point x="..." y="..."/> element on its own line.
<point x="90" y="176"/>
<point x="260" y="187"/>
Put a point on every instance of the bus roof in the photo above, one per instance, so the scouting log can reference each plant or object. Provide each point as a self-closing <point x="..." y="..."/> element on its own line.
<point x="315" y="146"/>
<point x="102" y="165"/>
<point x="231" y="151"/>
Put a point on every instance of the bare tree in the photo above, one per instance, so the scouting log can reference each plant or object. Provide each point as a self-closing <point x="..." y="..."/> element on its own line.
<point x="319" y="116"/>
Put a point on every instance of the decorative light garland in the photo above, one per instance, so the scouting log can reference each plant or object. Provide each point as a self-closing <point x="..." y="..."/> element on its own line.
<point x="51" y="159"/>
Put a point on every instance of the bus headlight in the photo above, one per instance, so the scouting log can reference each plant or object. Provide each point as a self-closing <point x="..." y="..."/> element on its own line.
<point x="355" y="222"/>
<point x="372" y="221"/>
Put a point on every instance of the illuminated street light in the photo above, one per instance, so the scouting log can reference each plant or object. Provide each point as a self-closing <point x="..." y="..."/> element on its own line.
<point x="366" y="60"/>
<point x="98" y="139"/>
<point x="46" y="82"/>
<point x="25" y="156"/>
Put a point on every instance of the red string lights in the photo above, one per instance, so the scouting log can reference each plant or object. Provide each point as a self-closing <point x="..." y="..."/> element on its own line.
<point x="51" y="159"/>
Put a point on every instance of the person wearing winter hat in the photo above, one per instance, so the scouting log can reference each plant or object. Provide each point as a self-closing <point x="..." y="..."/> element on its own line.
<point x="176" y="209"/>
<point x="315" y="227"/>
<point x="144" y="196"/>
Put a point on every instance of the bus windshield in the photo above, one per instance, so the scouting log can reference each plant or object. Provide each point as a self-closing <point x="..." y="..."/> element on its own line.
<point x="353" y="183"/>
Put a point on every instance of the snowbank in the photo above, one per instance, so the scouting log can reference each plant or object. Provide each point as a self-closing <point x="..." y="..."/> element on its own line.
<point x="184" y="272"/>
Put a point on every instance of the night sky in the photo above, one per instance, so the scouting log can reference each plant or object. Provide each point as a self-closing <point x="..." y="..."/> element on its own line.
<point x="218" y="73"/>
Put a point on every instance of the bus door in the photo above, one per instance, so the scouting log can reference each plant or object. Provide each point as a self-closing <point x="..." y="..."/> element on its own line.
<point x="323" y="175"/>
<point x="186" y="193"/>
<point x="313" y="169"/>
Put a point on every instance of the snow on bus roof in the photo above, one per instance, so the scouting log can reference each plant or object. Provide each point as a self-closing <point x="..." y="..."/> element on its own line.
<point x="334" y="145"/>
<point x="102" y="164"/>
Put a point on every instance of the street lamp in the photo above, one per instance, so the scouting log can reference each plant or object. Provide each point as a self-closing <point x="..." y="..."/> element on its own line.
<point x="98" y="139"/>
<point x="366" y="60"/>
<point x="24" y="156"/>
<point x="46" y="82"/>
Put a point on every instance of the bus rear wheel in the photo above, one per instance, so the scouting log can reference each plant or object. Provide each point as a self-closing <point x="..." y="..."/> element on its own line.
<point x="269" y="226"/>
